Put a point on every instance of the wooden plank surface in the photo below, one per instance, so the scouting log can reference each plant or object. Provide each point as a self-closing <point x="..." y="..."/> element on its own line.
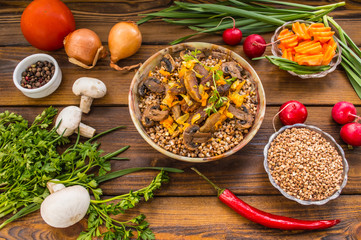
<point x="207" y="218"/>
<point x="186" y="207"/>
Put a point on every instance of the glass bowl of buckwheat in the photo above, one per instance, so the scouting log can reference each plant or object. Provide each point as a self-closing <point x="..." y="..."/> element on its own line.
<point x="305" y="164"/>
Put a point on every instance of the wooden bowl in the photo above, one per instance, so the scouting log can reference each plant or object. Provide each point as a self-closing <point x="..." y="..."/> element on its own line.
<point x="154" y="61"/>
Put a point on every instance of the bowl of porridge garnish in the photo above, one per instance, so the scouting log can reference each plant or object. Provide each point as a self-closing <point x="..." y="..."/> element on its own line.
<point x="305" y="164"/>
<point x="197" y="102"/>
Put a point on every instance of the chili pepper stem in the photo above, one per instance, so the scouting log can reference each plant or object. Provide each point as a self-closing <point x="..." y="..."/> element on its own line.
<point x="219" y="190"/>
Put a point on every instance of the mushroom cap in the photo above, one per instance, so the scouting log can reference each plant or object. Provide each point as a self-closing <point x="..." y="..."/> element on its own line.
<point x="70" y="119"/>
<point x="65" y="207"/>
<point x="90" y="87"/>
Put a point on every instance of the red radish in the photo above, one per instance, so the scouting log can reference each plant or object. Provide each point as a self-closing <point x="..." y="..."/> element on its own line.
<point x="351" y="133"/>
<point x="254" y="46"/>
<point x="343" y="112"/>
<point x="232" y="36"/>
<point x="292" y="112"/>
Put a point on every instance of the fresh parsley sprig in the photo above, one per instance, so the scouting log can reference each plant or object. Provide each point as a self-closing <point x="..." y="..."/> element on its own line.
<point x="100" y="213"/>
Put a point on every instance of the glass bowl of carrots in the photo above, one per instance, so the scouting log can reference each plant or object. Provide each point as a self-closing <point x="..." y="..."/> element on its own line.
<point x="306" y="49"/>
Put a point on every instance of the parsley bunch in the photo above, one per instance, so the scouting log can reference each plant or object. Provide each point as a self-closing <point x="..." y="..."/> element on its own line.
<point x="29" y="159"/>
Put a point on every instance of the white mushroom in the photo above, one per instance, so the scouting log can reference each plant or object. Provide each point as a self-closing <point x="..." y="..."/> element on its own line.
<point x="88" y="88"/>
<point x="70" y="121"/>
<point x="64" y="206"/>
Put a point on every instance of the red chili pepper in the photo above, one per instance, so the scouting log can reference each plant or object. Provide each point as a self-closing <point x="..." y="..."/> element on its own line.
<point x="264" y="218"/>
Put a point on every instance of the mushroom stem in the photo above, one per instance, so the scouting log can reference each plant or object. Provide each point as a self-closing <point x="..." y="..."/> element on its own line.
<point x="86" y="131"/>
<point x="54" y="187"/>
<point x="85" y="103"/>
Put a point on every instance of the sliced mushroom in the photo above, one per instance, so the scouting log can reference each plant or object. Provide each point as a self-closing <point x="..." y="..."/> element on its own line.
<point x="210" y="123"/>
<point x="146" y="121"/>
<point x="243" y="114"/>
<point x="233" y="69"/>
<point x="168" y="63"/>
<point x="223" y="89"/>
<point x="206" y="75"/>
<point x="192" y="137"/>
<point x="191" y="84"/>
<point x="153" y="113"/>
<point x="142" y="89"/>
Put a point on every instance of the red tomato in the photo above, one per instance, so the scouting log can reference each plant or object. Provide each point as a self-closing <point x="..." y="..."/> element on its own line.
<point x="45" y="24"/>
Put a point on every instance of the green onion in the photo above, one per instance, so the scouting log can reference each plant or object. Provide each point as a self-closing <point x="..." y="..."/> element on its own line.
<point x="351" y="55"/>
<point x="250" y="16"/>
<point x="288" y="65"/>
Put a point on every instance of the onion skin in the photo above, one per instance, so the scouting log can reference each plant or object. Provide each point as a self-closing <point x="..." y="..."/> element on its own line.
<point x="124" y="40"/>
<point x="83" y="45"/>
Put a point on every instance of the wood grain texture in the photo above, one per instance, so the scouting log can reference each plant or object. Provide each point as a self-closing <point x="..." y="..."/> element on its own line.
<point x="328" y="90"/>
<point x="242" y="172"/>
<point x="186" y="208"/>
<point x="193" y="218"/>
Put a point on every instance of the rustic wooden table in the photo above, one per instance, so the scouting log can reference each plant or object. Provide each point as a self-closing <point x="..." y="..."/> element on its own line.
<point x="187" y="207"/>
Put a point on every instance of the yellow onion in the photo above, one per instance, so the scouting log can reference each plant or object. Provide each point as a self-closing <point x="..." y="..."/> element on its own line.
<point x="84" y="48"/>
<point x="124" y="40"/>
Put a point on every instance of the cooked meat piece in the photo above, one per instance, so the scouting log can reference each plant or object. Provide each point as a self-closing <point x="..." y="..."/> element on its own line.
<point x="210" y="123"/>
<point x="191" y="84"/>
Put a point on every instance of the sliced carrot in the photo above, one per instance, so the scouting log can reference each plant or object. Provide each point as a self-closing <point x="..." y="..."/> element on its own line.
<point x="305" y="43"/>
<point x="296" y="28"/>
<point x="313" y="45"/>
<point x="305" y="30"/>
<point x="315" y="26"/>
<point x="328" y="55"/>
<point x="333" y="44"/>
<point x="300" y="30"/>
<point x="314" y="32"/>
<point x="287" y="38"/>
<point x="313" y="48"/>
<point x="323" y="39"/>
<point x="310" y="60"/>
<point x="323" y="36"/>
<point x="288" y="54"/>
<point x="283" y="33"/>
<point x="282" y="46"/>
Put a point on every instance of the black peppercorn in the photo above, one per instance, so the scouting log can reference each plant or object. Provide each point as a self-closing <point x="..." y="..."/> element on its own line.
<point x="37" y="74"/>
